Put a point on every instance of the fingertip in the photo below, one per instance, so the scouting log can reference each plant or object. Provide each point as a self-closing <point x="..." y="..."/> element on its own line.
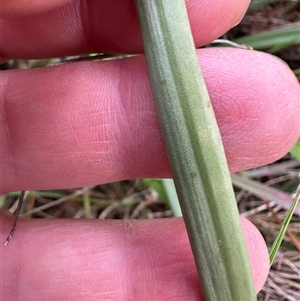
<point x="60" y="253"/>
<point x="258" y="253"/>
<point x="99" y="26"/>
<point x="264" y="94"/>
<point x="20" y="8"/>
<point x="212" y="19"/>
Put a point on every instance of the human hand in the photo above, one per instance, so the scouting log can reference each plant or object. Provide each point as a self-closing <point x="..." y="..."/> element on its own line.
<point x="94" y="122"/>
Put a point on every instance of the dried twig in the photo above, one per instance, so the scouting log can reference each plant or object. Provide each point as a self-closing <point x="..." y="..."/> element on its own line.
<point x="17" y="214"/>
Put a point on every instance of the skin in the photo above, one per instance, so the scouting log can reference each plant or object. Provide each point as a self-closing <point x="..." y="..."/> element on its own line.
<point x="95" y="122"/>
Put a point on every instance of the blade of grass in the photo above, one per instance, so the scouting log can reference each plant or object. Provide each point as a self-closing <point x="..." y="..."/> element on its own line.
<point x="256" y="4"/>
<point x="2" y="201"/>
<point x="273" y="39"/>
<point x="297" y="73"/>
<point x="280" y="168"/>
<point x="195" y="152"/>
<point x="58" y="202"/>
<point x="45" y="194"/>
<point x="283" y="228"/>
<point x="295" y="151"/>
<point x="270" y="194"/>
<point x="87" y="205"/>
<point x="172" y="196"/>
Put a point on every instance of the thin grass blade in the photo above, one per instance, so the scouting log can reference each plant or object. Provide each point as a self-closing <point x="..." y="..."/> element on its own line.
<point x="276" y="245"/>
<point x="273" y="40"/>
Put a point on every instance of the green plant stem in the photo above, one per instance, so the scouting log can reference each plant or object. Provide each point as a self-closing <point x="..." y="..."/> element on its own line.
<point x="279" y="238"/>
<point x="195" y="152"/>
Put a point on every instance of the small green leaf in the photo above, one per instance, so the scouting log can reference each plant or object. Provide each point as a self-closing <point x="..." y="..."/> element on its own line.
<point x="295" y="151"/>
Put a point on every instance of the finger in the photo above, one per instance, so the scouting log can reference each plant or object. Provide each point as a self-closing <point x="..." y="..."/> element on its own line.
<point x="95" y="122"/>
<point x="104" y="26"/>
<point x="108" y="260"/>
<point x="17" y="8"/>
